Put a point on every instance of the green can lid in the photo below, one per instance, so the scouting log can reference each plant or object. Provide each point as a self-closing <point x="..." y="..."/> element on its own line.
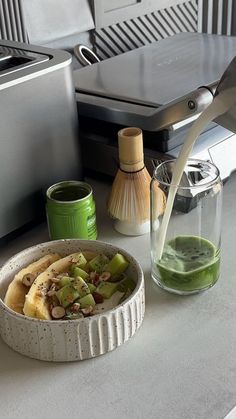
<point x="70" y="191"/>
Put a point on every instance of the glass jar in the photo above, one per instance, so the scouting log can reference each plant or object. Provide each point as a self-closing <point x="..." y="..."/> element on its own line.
<point x="185" y="252"/>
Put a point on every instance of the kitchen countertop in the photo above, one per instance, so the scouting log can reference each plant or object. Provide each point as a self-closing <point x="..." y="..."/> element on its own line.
<point x="181" y="363"/>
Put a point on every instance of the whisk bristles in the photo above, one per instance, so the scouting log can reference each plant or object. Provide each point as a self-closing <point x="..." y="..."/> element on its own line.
<point x="130" y="196"/>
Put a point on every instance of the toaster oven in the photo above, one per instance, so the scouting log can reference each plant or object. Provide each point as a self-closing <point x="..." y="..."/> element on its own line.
<point x="38" y="130"/>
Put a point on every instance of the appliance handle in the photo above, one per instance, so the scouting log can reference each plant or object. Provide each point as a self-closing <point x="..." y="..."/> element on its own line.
<point x="85" y="55"/>
<point x="182" y="108"/>
<point x="180" y="111"/>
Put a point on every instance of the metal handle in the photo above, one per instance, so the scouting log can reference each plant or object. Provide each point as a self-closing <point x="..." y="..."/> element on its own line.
<point x="85" y="55"/>
<point x="181" y="109"/>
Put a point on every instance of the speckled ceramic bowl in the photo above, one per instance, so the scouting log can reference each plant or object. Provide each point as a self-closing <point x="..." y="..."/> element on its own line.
<point x="70" y="340"/>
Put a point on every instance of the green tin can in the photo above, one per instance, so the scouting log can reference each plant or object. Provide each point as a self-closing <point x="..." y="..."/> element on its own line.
<point x="71" y="212"/>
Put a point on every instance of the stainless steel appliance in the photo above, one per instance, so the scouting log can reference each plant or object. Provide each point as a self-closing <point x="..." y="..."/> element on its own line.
<point x="38" y="130"/>
<point x="161" y="88"/>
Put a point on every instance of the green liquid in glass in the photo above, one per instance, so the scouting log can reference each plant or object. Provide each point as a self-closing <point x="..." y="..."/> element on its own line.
<point x="189" y="263"/>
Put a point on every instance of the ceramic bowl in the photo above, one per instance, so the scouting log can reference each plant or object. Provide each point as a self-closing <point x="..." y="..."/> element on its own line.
<point x="70" y="340"/>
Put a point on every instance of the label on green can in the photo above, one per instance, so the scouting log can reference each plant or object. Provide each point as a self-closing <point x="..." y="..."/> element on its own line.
<point x="71" y="212"/>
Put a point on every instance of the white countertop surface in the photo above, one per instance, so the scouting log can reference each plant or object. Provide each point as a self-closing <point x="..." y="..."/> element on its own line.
<point x="181" y="364"/>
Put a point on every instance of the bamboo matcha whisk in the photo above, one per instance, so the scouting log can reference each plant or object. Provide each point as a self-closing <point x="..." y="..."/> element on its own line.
<point x="129" y="201"/>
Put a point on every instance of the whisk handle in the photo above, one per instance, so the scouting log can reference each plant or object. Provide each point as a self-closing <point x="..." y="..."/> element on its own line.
<point x="131" y="149"/>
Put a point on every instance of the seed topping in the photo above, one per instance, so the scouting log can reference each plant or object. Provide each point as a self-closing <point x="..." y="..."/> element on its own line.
<point x="58" y="312"/>
<point x="28" y="279"/>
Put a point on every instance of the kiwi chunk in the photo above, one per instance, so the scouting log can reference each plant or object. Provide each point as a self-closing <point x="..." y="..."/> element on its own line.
<point x="106" y="289"/>
<point x="86" y="301"/>
<point x="77" y="271"/>
<point x="98" y="263"/>
<point x="91" y="287"/>
<point x="65" y="280"/>
<point x="80" y="260"/>
<point x="67" y="295"/>
<point x="117" y="265"/>
<point x="81" y="286"/>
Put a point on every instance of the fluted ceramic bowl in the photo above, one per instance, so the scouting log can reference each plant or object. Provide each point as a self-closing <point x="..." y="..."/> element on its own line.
<point x="70" y="340"/>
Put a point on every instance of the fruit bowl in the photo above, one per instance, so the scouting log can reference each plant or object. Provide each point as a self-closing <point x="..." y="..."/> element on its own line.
<point x="77" y="339"/>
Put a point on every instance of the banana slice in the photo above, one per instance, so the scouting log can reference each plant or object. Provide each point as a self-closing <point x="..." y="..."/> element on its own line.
<point x="16" y="292"/>
<point x="89" y="254"/>
<point x="36" y="304"/>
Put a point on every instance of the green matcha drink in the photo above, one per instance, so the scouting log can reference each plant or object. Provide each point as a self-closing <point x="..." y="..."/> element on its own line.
<point x="188" y="263"/>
